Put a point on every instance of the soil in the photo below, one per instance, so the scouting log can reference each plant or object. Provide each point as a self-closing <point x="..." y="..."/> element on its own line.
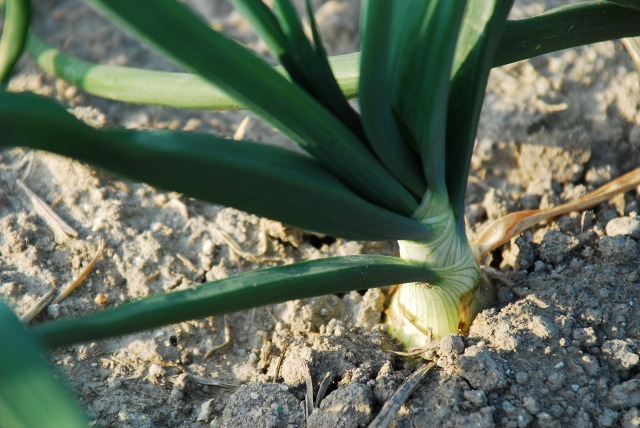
<point x="561" y="348"/>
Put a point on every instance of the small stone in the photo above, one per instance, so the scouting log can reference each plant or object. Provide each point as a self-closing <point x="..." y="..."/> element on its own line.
<point x="475" y="397"/>
<point x="556" y="381"/>
<point x="156" y="371"/>
<point x="625" y="395"/>
<point x="206" y="409"/>
<point x="631" y="419"/>
<point x="451" y="345"/>
<point x="102" y="300"/>
<point x="626" y="226"/>
<point x="555" y="246"/>
<point x="620" y="355"/>
<point x="618" y="249"/>
<point x="53" y="310"/>
<point x="608" y="418"/>
<point x="176" y="395"/>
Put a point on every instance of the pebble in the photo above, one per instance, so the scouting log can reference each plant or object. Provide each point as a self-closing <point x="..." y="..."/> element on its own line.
<point x="475" y="397"/>
<point x="176" y="394"/>
<point x="451" y="345"/>
<point x="631" y="419"/>
<point x="620" y="354"/>
<point x="625" y="395"/>
<point x="54" y="310"/>
<point x="618" y="249"/>
<point x="625" y="226"/>
<point x="556" y="245"/>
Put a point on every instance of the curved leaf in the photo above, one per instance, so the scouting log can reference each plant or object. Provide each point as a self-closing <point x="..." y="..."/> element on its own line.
<point x="375" y="99"/>
<point x="30" y="395"/>
<point x="605" y="22"/>
<point x="261" y="179"/>
<point x="565" y="27"/>
<point x="477" y="45"/>
<point x="245" y="291"/>
<point x="424" y="53"/>
<point x="162" y="88"/>
<point x="14" y="35"/>
<point x="176" y="31"/>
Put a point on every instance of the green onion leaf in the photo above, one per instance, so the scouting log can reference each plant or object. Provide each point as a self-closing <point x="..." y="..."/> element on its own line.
<point x="375" y="99"/>
<point x="14" y="35"/>
<point x="179" y="33"/>
<point x="245" y="291"/>
<point x="30" y="395"/>
<point x="261" y="179"/>
<point x="476" y="48"/>
<point x="424" y="51"/>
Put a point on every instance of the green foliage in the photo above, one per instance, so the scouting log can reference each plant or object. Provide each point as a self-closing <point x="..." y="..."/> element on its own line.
<point x="14" y="35"/>
<point x="30" y="395"/>
<point x="370" y="176"/>
<point x="248" y="290"/>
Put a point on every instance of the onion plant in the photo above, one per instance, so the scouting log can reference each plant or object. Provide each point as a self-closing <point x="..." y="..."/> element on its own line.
<point x="396" y="169"/>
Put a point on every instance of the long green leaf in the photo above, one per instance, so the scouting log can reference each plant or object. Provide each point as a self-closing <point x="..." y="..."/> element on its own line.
<point x="477" y="45"/>
<point x="245" y="291"/>
<point x="520" y="40"/>
<point x="422" y="80"/>
<point x="565" y="27"/>
<point x="375" y="98"/>
<point x="283" y="34"/>
<point x="264" y="180"/>
<point x="30" y="395"/>
<point x="14" y="35"/>
<point x="312" y="62"/>
<point x="140" y="86"/>
<point x="631" y="4"/>
<point x="175" y="30"/>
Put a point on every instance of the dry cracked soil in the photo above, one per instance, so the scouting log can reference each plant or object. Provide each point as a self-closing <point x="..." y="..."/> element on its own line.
<point x="560" y="349"/>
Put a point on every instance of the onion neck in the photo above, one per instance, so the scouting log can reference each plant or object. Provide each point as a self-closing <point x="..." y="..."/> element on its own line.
<point x="421" y="311"/>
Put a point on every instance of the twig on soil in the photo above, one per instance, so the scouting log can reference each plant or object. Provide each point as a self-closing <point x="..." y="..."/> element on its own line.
<point x="26" y="160"/>
<point x="50" y="217"/>
<point x="276" y="375"/>
<point x="68" y="289"/>
<point x="308" y="396"/>
<point x="323" y="387"/>
<point x="242" y="129"/>
<point x="503" y="229"/>
<point x="39" y="306"/>
<point x="237" y="251"/>
<point x="227" y="384"/>
<point x="391" y="408"/>
<point x="227" y="339"/>
<point x="187" y="263"/>
<point x="632" y="44"/>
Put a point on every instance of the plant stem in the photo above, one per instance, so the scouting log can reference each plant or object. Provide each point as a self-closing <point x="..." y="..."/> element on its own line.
<point x="419" y="311"/>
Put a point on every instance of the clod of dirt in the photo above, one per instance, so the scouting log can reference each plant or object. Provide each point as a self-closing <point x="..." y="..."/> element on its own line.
<point x="481" y="370"/>
<point x="262" y="405"/>
<point x="348" y="406"/>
